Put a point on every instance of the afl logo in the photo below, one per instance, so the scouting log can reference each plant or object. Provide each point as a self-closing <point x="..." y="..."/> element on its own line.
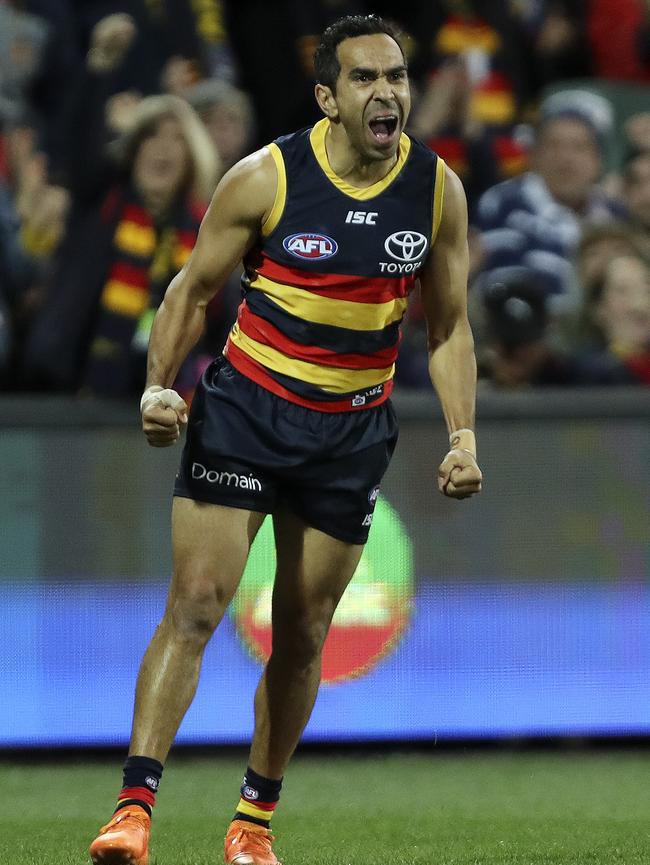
<point x="405" y="245"/>
<point x="310" y="246"/>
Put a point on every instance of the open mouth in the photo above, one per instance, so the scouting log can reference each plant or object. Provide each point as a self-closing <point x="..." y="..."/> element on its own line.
<point x="383" y="128"/>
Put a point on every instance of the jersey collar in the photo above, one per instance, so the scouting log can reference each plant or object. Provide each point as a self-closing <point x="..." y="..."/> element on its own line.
<point x="317" y="140"/>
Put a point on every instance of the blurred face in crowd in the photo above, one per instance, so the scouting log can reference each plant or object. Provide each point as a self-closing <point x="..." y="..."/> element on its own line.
<point x="372" y="99"/>
<point x="162" y="161"/>
<point x="228" y="128"/>
<point x="637" y="190"/>
<point x="623" y="310"/>
<point x="518" y="365"/>
<point x="596" y="255"/>
<point x="568" y="160"/>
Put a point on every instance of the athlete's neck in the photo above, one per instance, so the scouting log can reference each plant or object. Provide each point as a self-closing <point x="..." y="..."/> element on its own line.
<point x="348" y="164"/>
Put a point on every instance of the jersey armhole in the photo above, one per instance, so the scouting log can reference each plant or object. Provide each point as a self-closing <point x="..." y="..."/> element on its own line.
<point x="438" y="195"/>
<point x="271" y="222"/>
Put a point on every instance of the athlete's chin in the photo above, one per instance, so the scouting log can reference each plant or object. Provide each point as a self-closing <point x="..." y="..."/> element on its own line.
<point x="382" y="150"/>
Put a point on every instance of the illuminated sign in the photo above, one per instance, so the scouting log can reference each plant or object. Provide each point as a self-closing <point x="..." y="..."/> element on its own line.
<point x="371" y="616"/>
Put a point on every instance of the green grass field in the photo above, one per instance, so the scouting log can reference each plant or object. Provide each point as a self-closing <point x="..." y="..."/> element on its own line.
<point x="471" y="808"/>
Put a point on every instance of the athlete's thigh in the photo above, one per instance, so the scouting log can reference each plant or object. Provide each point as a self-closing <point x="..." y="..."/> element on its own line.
<point x="210" y="546"/>
<point x="313" y="568"/>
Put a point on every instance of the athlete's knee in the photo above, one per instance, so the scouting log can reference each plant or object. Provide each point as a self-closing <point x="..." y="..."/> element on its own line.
<point x="300" y="629"/>
<point x="195" y="611"/>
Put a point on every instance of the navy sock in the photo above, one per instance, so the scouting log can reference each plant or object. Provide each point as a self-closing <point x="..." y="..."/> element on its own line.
<point x="259" y="797"/>
<point x="140" y="782"/>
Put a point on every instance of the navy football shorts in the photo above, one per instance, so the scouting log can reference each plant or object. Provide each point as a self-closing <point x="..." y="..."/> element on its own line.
<point x="248" y="448"/>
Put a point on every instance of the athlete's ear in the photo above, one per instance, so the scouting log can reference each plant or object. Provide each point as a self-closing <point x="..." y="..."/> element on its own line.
<point x="326" y="101"/>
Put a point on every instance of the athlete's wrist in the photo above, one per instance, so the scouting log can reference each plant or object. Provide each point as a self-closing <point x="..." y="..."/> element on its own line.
<point x="463" y="439"/>
<point x="156" y="393"/>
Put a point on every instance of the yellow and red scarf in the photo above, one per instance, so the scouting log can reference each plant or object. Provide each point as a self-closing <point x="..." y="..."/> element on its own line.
<point x="145" y="257"/>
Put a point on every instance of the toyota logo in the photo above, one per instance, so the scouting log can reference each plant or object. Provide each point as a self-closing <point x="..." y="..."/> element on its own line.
<point x="405" y="245"/>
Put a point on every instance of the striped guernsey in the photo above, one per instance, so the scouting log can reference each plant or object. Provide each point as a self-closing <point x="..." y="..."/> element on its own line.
<point x="326" y="288"/>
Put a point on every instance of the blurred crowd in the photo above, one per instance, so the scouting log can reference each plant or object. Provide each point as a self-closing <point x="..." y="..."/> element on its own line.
<point x="118" y="119"/>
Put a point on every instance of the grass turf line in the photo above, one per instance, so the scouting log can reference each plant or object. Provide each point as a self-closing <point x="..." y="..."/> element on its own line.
<point x="438" y="809"/>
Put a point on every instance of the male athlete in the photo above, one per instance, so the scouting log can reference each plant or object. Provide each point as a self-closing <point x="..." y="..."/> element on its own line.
<point x="334" y="224"/>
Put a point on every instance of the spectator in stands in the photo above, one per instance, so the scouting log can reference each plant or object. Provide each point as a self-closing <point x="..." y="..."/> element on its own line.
<point x="174" y="38"/>
<point x="133" y="225"/>
<point x="556" y="36"/>
<point x="32" y="211"/>
<point x="636" y="193"/>
<point x="487" y="36"/>
<point x="598" y="246"/>
<point x="516" y="352"/>
<point x="637" y="132"/>
<point x="470" y="68"/>
<point x="41" y="64"/>
<point x="617" y="325"/>
<point x="195" y="38"/>
<point x="227" y="113"/>
<point x="18" y="270"/>
<point x="22" y="40"/>
<point x="481" y="154"/>
<point x="534" y="222"/>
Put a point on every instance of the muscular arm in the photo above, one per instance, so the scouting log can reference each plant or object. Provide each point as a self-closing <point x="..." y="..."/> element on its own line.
<point x="241" y="203"/>
<point x="452" y="364"/>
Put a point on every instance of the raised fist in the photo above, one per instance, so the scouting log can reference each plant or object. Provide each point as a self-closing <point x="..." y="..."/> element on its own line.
<point x="110" y="39"/>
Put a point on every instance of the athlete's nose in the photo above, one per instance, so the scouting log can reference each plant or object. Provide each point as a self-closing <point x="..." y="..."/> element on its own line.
<point x="384" y="89"/>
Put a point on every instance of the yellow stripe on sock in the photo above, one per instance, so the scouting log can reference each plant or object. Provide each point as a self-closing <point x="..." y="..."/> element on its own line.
<point x="251" y="810"/>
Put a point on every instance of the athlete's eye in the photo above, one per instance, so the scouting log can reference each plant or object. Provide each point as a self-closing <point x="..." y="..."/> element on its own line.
<point x="399" y="75"/>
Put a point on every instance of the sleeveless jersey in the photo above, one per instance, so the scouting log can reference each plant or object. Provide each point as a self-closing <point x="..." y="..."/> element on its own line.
<point x="325" y="290"/>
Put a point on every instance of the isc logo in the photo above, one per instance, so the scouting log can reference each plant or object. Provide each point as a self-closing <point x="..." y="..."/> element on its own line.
<point x="361" y="217"/>
<point x="310" y="246"/>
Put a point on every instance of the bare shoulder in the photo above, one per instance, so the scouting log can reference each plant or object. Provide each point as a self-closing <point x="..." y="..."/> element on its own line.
<point x="247" y="191"/>
<point x="255" y="171"/>
<point x="233" y="222"/>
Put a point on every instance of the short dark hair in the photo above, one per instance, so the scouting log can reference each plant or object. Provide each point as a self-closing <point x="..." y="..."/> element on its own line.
<point x="326" y="63"/>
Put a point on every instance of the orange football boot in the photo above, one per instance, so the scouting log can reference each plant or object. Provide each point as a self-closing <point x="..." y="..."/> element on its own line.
<point x="124" y="840"/>
<point x="249" y="844"/>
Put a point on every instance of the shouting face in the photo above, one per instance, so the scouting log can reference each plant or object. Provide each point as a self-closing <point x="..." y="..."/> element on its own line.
<point x="372" y="100"/>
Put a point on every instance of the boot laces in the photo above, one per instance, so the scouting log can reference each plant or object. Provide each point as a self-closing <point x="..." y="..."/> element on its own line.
<point x="258" y="842"/>
<point x="122" y="815"/>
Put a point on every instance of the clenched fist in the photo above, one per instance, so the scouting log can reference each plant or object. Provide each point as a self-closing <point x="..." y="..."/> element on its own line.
<point x="164" y="414"/>
<point x="459" y="475"/>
